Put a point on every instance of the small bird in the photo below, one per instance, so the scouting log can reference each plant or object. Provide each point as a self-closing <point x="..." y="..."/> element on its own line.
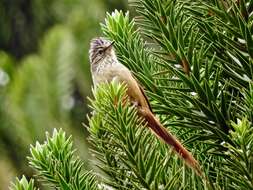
<point x="105" y="67"/>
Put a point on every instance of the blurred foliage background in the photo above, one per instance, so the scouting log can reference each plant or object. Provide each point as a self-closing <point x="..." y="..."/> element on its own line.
<point x="44" y="73"/>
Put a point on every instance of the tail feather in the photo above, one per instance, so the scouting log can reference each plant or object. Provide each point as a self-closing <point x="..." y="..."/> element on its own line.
<point x="171" y="140"/>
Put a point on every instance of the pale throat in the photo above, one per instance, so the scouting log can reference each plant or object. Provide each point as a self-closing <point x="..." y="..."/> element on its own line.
<point x="106" y="69"/>
<point x="108" y="60"/>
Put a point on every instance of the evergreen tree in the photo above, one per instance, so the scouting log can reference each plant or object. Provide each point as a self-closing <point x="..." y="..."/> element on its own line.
<point x="195" y="61"/>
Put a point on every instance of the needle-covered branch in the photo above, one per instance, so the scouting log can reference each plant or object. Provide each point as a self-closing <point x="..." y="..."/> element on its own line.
<point x="57" y="166"/>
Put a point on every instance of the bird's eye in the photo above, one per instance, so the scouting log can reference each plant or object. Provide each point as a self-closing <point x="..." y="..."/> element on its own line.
<point x="100" y="51"/>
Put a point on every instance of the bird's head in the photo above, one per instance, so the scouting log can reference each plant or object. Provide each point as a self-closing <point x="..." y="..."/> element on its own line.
<point x="100" y="48"/>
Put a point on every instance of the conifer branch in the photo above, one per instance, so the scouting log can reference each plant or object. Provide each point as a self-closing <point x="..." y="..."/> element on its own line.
<point x="127" y="152"/>
<point x="57" y="166"/>
<point x="23" y="184"/>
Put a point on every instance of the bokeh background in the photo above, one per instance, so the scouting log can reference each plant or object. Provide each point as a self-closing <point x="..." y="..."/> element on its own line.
<point x="44" y="74"/>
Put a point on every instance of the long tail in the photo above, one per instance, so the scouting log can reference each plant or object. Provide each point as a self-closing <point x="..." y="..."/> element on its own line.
<point x="171" y="140"/>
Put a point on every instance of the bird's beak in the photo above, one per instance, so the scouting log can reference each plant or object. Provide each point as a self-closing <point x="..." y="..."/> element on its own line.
<point x="108" y="48"/>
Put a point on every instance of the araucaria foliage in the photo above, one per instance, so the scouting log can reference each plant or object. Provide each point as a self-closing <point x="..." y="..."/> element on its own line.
<point x="195" y="61"/>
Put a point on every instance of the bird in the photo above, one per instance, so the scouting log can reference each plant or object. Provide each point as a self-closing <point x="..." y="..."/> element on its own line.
<point x="106" y="68"/>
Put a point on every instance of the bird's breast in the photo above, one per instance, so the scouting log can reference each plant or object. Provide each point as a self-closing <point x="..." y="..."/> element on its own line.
<point x="107" y="73"/>
<point x="119" y="73"/>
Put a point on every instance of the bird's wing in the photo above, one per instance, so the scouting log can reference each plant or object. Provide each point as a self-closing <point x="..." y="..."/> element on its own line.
<point x="144" y="95"/>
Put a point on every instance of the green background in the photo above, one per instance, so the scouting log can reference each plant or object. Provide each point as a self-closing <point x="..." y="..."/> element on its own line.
<point x="44" y="74"/>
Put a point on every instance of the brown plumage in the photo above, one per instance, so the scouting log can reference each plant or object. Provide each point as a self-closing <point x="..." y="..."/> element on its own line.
<point x="105" y="67"/>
